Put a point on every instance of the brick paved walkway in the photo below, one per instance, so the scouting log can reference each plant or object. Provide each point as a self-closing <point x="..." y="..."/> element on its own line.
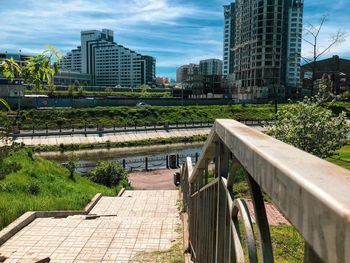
<point x="157" y="179"/>
<point x="163" y="179"/>
<point x="138" y="221"/>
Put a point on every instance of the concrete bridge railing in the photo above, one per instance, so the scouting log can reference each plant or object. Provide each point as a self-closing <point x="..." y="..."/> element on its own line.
<point x="313" y="194"/>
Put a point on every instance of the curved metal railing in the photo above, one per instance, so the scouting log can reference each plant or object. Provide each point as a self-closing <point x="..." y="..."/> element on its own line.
<point x="313" y="195"/>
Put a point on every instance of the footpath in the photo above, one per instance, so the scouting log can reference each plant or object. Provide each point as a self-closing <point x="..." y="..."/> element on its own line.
<point x="111" y="137"/>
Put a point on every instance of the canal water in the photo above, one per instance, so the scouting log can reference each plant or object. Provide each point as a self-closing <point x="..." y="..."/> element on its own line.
<point x="133" y="159"/>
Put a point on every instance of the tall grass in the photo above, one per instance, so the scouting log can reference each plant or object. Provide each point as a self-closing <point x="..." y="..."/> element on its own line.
<point x="42" y="185"/>
<point x="120" y="116"/>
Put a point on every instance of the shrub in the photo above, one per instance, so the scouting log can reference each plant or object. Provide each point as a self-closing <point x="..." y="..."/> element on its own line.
<point x="33" y="188"/>
<point x="311" y="127"/>
<point x="108" y="173"/>
<point x="7" y="168"/>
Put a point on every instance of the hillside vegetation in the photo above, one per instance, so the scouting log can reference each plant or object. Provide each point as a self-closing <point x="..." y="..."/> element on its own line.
<point x="120" y="116"/>
<point x="38" y="184"/>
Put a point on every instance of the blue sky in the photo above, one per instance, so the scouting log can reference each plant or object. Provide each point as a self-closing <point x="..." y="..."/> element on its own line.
<point x="176" y="32"/>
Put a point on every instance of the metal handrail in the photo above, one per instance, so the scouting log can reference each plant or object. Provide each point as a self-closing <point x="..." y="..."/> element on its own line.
<point x="311" y="193"/>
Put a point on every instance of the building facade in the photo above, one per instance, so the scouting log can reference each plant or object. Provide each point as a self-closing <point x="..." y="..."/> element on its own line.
<point x="109" y="63"/>
<point x="210" y="67"/>
<point x="211" y="72"/>
<point x="334" y="70"/>
<point x="229" y="39"/>
<point x="66" y="78"/>
<point x="267" y="47"/>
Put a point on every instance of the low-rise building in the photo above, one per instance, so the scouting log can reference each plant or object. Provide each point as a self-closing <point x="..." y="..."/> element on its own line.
<point x="334" y="70"/>
<point x="162" y="80"/>
<point x="66" y="78"/>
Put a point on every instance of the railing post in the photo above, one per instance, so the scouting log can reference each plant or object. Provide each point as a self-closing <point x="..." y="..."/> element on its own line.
<point x="124" y="164"/>
<point x="146" y="161"/>
<point x="261" y="219"/>
<point x="309" y="254"/>
<point x="221" y="167"/>
<point x="167" y="161"/>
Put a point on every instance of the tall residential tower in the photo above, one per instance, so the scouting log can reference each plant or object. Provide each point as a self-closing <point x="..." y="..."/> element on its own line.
<point x="267" y="47"/>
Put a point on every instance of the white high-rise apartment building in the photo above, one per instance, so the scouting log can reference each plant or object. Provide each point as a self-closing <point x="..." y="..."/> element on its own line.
<point x="294" y="43"/>
<point x="229" y="39"/>
<point x="108" y="63"/>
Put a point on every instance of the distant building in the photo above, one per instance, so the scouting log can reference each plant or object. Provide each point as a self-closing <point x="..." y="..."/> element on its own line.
<point x="211" y="72"/>
<point x="72" y="61"/>
<point x="210" y="67"/>
<point x="203" y="78"/>
<point x="334" y="70"/>
<point x="149" y="65"/>
<point x="108" y="63"/>
<point x="181" y="73"/>
<point x="162" y="80"/>
<point x="66" y="78"/>
<point x="229" y="39"/>
<point x="262" y="47"/>
<point x="190" y="78"/>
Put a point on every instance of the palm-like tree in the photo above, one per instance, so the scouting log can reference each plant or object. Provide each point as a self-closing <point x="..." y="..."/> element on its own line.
<point x="10" y="70"/>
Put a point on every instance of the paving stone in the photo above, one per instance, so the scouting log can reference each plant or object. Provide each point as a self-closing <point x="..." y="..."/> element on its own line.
<point x="138" y="221"/>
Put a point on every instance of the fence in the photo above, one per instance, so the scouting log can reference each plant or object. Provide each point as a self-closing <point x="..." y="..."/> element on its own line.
<point x="101" y="129"/>
<point x="313" y="195"/>
<point x="144" y="163"/>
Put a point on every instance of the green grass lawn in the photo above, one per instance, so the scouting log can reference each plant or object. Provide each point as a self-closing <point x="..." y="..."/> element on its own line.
<point x="42" y="185"/>
<point x="120" y="116"/>
<point x="342" y="157"/>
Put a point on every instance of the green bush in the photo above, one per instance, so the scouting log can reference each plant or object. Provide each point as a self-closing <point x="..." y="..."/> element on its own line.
<point x="108" y="174"/>
<point x="33" y="188"/>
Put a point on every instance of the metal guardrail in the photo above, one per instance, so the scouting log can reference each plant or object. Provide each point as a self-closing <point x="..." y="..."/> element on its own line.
<point x="312" y="194"/>
<point x="100" y="129"/>
<point x="145" y="163"/>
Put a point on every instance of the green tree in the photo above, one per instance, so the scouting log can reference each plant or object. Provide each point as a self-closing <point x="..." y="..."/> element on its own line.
<point x="144" y="88"/>
<point x="108" y="91"/>
<point x="51" y="89"/>
<point x="39" y="70"/>
<point x="10" y="69"/>
<point x="81" y="91"/>
<point x="70" y="90"/>
<point x="309" y="125"/>
<point x="108" y="173"/>
<point x="76" y="84"/>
